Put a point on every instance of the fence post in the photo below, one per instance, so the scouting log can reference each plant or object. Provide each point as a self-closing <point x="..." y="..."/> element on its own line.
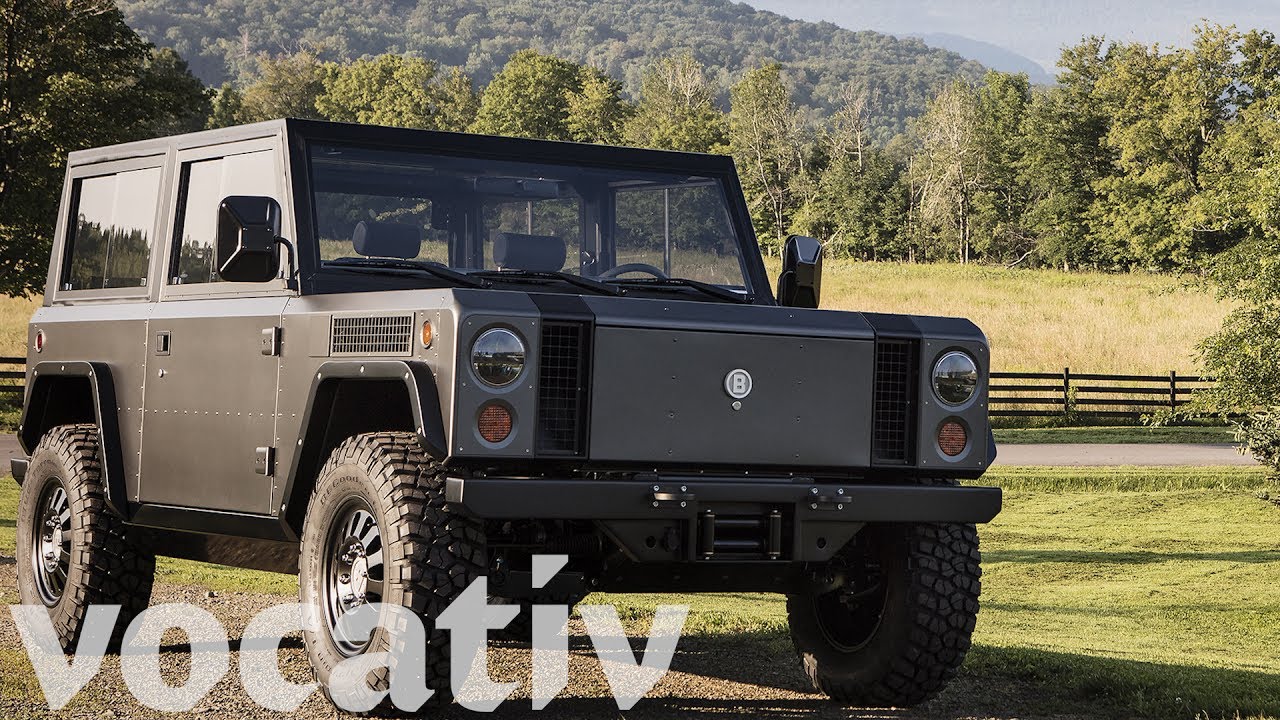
<point x="1066" y="391"/>
<point x="1173" y="391"/>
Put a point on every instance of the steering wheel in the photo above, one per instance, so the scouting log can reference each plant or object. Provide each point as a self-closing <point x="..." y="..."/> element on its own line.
<point x="634" y="267"/>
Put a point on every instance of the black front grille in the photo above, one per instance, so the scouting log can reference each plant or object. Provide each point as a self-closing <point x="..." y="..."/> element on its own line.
<point x="562" y="389"/>
<point x="893" y="418"/>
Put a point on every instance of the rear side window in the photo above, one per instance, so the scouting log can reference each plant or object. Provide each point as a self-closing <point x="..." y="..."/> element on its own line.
<point x="110" y="238"/>
<point x="204" y="185"/>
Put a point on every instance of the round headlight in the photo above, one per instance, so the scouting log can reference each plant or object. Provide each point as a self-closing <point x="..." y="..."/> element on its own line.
<point x="498" y="357"/>
<point x="955" y="378"/>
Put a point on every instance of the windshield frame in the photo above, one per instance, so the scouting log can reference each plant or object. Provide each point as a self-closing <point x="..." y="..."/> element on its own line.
<point x="304" y="134"/>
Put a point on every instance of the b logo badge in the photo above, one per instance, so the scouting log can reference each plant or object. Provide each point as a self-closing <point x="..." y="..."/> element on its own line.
<point x="737" y="384"/>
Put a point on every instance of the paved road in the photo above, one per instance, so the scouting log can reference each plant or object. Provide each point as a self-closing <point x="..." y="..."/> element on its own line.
<point x="1093" y="455"/>
<point x="8" y="448"/>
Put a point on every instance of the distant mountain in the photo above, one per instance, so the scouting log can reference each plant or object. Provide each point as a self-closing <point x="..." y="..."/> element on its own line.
<point x="1038" y="29"/>
<point x="623" y="37"/>
<point x="989" y="54"/>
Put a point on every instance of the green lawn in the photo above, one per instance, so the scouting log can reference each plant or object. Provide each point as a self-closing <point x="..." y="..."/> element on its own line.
<point x="1110" y="592"/>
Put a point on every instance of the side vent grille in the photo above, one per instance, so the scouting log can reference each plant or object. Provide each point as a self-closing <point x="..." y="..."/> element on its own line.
<point x="894" y="412"/>
<point x="562" y="389"/>
<point x="378" y="335"/>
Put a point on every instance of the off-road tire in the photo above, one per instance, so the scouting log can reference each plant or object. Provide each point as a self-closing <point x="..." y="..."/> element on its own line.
<point x="104" y="567"/>
<point x="931" y="575"/>
<point x="431" y="553"/>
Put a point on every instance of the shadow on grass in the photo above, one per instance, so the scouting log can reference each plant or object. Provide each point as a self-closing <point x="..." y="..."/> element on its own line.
<point x="757" y="675"/>
<point x="1138" y="557"/>
<point x="1113" y="687"/>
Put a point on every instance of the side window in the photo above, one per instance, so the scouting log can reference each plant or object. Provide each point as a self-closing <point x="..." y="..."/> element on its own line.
<point x="204" y="185"/>
<point x="109" y="244"/>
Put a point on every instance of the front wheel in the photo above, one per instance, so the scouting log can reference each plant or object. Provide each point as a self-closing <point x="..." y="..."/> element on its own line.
<point x="378" y="530"/>
<point x="898" y="624"/>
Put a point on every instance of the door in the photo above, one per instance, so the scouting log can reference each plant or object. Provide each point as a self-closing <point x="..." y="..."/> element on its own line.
<point x="213" y="366"/>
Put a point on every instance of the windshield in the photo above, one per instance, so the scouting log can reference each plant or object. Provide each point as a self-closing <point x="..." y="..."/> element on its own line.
<point x="470" y="214"/>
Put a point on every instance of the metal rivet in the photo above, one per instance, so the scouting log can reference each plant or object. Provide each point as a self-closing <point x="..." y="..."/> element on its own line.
<point x="655" y="488"/>
<point x="737" y="405"/>
<point x="814" y="506"/>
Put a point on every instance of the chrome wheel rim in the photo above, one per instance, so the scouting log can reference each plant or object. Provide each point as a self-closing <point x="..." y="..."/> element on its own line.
<point x="51" y="543"/>
<point x="354" y="569"/>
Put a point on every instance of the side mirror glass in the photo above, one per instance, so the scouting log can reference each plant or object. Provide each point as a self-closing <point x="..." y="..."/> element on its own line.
<point x="800" y="284"/>
<point x="249" y="239"/>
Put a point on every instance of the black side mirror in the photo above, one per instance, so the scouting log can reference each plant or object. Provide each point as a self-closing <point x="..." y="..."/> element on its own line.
<point x="249" y="239"/>
<point x="801" y="281"/>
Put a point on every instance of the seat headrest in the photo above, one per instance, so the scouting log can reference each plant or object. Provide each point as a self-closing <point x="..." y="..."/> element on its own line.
<point x="539" y="253"/>
<point x="387" y="239"/>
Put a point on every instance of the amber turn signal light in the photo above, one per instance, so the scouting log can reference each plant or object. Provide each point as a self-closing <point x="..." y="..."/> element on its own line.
<point x="952" y="438"/>
<point x="494" y="423"/>
<point x="427" y="334"/>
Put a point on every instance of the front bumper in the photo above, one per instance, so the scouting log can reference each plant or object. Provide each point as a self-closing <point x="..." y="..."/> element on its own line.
<point x="672" y="519"/>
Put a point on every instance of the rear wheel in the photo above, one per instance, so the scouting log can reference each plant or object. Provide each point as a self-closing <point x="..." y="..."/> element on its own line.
<point x="73" y="552"/>
<point x="378" y="530"/>
<point x="899" y="622"/>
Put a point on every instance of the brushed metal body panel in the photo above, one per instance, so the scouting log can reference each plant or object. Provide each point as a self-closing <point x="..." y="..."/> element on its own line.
<point x="210" y="403"/>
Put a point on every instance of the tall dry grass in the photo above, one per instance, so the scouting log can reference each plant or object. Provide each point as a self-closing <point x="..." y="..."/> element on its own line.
<point x="1044" y="319"/>
<point x="14" y="314"/>
<point x="1035" y="319"/>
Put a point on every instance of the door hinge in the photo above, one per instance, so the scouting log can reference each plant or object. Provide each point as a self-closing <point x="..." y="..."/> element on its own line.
<point x="264" y="461"/>
<point x="271" y="339"/>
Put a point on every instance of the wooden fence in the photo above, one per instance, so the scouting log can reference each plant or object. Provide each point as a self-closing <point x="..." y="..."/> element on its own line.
<point x="1089" y="394"/>
<point x="11" y="378"/>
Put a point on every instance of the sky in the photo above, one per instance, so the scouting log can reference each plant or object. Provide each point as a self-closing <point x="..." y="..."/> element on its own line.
<point x="1037" y="29"/>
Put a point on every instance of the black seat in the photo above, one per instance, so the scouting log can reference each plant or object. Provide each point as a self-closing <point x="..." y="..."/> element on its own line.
<point x="387" y="239"/>
<point x="538" y="253"/>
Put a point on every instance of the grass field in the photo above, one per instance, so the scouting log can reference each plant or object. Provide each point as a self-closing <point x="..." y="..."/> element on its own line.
<point x="1043" y="320"/>
<point x="1106" y="593"/>
<point x="1035" y="319"/>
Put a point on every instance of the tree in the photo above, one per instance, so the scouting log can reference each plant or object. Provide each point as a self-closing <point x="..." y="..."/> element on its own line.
<point x="677" y="109"/>
<point x="286" y="86"/>
<point x="1165" y="110"/>
<point x="767" y="141"/>
<point x="227" y="107"/>
<point x="596" y="111"/>
<point x="1001" y="201"/>
<point x="530" y="98"/>
<point x="950" y="165"/>
<point x="1065" y="157"/>
<point x="386" y="90"/>
<point x="459" y="102"/>
<point x="72" y="75"/>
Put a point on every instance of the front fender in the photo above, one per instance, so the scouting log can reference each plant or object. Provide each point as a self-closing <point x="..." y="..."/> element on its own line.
<point x="318" y="435"/>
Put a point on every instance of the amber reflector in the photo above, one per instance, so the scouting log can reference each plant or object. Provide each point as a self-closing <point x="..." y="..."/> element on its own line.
<point x="952" y="438"/>
<point x="427" y="334"/>
<point x="495" y="423"/>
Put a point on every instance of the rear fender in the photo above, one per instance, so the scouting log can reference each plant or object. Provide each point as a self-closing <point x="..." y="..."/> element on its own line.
<point x="75" y="392"/>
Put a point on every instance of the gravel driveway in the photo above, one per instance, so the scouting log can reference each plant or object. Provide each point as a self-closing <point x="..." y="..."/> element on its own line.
<point x="721" y="676"/>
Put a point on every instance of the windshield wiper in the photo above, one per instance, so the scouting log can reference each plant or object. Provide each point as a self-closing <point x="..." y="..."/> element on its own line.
<point x="431" y="268"/>
<point x="576" y="280"/>
<point x="706" y="288"/>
